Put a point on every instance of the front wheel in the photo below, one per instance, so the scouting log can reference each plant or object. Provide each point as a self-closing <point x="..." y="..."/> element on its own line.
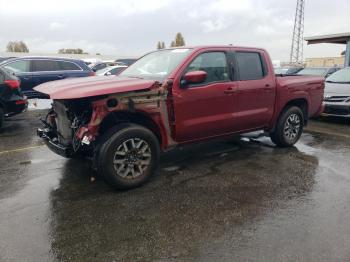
<point x="129" y="157"/>
<point x="289" y="127"/>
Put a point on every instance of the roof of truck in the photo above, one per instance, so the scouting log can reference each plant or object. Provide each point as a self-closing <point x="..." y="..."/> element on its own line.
<point x="214" y="46"/>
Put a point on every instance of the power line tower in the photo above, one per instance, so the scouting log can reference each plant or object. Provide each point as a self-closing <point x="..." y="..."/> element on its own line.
<point x="296" y="52"/>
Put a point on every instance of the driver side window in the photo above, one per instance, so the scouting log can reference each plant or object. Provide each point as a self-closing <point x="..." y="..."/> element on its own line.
<point x="214" y="64"/>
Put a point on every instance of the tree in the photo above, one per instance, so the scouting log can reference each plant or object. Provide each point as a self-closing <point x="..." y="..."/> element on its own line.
<point x="17" y="46"/>
<point x="179" y="40"/>
<point x="160" y="45"/>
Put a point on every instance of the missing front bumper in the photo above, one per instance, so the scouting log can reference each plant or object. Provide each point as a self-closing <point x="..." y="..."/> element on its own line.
<point x="48" y="137"/>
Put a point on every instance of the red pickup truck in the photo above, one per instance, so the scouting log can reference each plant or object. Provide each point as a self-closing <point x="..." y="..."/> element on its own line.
<point x="173" y="97"/>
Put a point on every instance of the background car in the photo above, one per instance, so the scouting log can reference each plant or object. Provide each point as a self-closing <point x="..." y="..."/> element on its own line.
<point x="287" y="70"/>
<point x="111" y="70"/>
<point x="5" y="58"/>
<point x="12" y="101"/>
<point x="33" y="71"/>
<point x="337" y="94"/>
<point x="126" y="61"/>
<point x="318" y="71"/>
<point x="101" y="65"/>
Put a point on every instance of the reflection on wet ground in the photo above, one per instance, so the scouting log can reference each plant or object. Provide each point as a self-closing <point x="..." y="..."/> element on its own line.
<point x="227" y="200"/>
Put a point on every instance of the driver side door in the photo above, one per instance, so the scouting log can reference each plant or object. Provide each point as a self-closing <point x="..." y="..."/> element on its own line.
<point x="205" y="109"/>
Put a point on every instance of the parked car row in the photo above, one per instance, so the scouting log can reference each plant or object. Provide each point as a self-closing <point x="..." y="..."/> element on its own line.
<point x="33" y="71"/>
<point x="97" y="65"/>
<point x="12" y="101"/>
<point x="312" y="71"/>
<point x="18" y="77"/>
<point x="318" y="71"/>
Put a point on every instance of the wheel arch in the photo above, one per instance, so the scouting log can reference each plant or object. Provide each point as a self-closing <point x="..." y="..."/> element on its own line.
<point x="302" y="103"/>
<point x="115" y="118"/>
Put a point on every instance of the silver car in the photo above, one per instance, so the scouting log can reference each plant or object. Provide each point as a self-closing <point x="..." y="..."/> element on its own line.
<point x="337" y="94"/>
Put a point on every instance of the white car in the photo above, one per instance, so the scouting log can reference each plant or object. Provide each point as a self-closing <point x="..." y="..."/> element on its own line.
<point x="111" y="70"/>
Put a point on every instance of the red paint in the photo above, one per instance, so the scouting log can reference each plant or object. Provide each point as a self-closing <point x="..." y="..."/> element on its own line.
<point x="195" y="76"/>
<point x="92" y="86"/>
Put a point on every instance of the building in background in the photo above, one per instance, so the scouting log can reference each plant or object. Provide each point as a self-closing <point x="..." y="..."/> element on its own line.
<point x="342" y="38"/>
<point x="325" y="61"/>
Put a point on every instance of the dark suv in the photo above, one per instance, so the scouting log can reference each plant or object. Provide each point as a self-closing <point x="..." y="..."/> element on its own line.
<point x="12" y="101"/>
<point x="33" y="71"/>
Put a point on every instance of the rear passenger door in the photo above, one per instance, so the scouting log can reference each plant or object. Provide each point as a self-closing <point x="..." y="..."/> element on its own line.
<point x="45" y="70"/>
<point x="256" y="91"/>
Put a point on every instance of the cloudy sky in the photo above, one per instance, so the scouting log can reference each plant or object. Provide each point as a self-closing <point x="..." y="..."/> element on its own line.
<point x="133" y="27"/>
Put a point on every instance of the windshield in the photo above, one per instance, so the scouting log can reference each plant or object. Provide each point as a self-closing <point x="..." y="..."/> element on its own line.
<point x="313" y="71"/>
<point x="341" y="76"/>
<point x="157" y="65"/>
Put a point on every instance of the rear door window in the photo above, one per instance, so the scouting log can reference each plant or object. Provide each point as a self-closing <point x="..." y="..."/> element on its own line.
<point x="18" y="66"/>
<point x="250" y="65"/>
<point x="45" y="65"/>
<point x="68" y="66"/>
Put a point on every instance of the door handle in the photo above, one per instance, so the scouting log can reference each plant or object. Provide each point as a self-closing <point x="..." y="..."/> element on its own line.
<point x="267" y="88"/>
<point x="230" y="90"/>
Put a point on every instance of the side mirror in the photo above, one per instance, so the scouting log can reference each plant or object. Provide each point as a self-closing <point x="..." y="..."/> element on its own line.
<point x="108" y="73"/>
<point x="194" y="77"/>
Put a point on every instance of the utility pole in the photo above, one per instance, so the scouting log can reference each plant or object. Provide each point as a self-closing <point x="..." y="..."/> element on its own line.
<point x="296" y="52"/>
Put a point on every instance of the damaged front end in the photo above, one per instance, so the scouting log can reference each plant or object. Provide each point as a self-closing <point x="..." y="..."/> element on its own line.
<point x="63" y="125"/>
<point x="73" y="127"/>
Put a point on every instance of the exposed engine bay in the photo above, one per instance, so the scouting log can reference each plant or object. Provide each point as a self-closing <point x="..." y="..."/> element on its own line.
<point x="73" y="125"/>
<point x="64" y="120"/>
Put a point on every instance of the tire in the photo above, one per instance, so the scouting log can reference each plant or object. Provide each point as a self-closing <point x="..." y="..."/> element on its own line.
<point x="289" y="127"/>
<point x="129" y="157"/>
<point x="2" y="117"/>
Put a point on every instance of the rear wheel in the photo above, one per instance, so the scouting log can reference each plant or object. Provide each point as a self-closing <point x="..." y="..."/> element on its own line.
<point x="129" y="157"/>
<point x="289" y="127"/>
<point x="2" y="117"/>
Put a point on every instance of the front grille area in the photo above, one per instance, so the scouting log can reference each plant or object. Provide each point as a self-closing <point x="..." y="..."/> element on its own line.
<point x="336" y="99"/>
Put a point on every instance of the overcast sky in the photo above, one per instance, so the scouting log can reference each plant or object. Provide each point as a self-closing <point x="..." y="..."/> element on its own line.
<point x="133" y="27"/>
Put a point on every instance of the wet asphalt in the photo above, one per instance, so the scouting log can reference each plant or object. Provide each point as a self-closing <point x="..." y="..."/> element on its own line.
<point x="236" y="199"/>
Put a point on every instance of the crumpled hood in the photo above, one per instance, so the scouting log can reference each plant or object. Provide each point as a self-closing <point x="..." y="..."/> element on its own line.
<point x="92" y="86"/>
<point x="334" y="89"/>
